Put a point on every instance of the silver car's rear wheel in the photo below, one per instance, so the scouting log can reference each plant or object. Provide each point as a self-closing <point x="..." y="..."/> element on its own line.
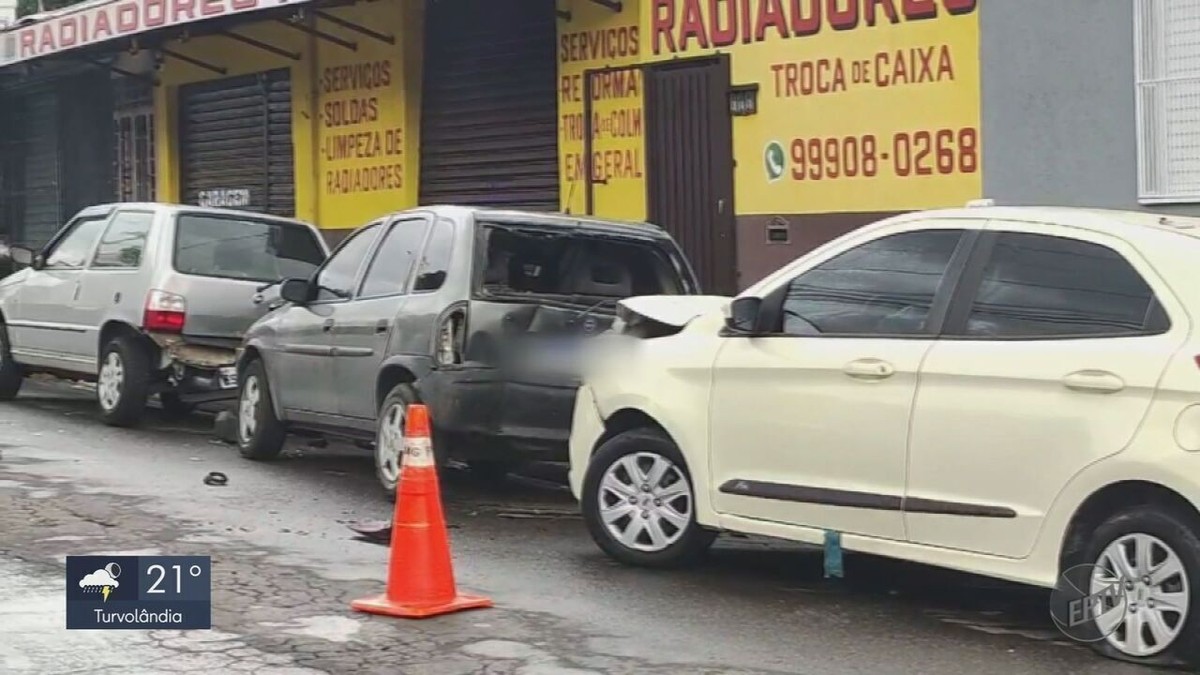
<point x="1157" y="594"/>
<point x="108" y="385"/>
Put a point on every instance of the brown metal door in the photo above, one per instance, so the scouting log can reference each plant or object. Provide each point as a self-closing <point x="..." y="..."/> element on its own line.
<point x="689" y="158"/>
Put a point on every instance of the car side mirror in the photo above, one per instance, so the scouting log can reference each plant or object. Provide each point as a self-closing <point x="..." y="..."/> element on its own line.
<point x="22" y="256"/>
<point x="296" y="291"/>
<point x="743" y="315"/>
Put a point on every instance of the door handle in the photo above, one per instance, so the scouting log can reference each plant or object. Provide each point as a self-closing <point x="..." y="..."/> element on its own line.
<point x="1095" y="381"/>
<point x="869" y="369"/>
<point x="327" y="326"/>
<point x="381" y="326"/>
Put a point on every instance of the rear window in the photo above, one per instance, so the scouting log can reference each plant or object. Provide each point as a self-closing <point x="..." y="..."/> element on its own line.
<point x="588" y="267"/>
<point x="244" y="248"/>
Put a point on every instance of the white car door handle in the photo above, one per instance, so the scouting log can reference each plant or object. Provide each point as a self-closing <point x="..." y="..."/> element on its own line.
<point x="869" y="369"/>
<point x="1097" y="381"/>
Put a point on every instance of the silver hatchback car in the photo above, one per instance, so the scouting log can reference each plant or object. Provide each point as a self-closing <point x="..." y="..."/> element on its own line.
<point x="147" y="299"/>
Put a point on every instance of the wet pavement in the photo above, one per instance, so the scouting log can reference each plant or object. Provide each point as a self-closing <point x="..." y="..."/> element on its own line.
<point x="285" y="568"/>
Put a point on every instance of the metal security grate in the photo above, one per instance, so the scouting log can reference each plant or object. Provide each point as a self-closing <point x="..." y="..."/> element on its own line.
<point x="489" y="127"/>
<point x="133" y="158"/>
<point x="1167" y="39"/>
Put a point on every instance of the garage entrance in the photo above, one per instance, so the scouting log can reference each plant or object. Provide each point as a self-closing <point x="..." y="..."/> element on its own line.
<point x="235" y="143"/>
<point x="489" y="127"/>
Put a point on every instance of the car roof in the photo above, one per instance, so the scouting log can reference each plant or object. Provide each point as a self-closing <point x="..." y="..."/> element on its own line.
<point x="547" y="219"/>
<point x="185" y="208"/>
<point x="1113" y="221"/>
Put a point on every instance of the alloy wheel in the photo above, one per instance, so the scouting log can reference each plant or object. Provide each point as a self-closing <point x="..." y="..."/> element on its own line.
<point x="389" y="446"/>
<point x="108" y="385"/>
<point x="645" y="501"/>
<point x="248" y="409"/>
<point x="1157" y="594"/>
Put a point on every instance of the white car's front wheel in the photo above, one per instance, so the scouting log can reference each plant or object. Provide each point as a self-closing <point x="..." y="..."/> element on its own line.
<point x="1152" y="555"/>
<point x="639" y="504"/>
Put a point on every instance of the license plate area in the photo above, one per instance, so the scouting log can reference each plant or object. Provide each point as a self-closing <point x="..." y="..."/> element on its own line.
<point x="227" y="377"/>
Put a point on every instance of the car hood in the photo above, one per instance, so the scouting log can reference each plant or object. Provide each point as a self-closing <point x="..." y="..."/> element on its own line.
<point x="14" y="278"/>
<point x="675" y="311"/>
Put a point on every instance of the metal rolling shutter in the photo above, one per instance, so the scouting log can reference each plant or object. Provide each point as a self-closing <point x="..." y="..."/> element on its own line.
<point x="489" y="127"/>
<point x="236" y="134"/>
<point x="39" y="214"/>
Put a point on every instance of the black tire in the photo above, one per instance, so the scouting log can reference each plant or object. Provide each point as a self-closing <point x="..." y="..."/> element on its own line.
<point x="174" y="407"/>
<point x="11" y="373"/>
<point x="688" y="548"/>
<point x="1181" y="532"/>
<point x="400" y="397"/>
<point x="133" y="386"/>
<point x="264" y="441"/>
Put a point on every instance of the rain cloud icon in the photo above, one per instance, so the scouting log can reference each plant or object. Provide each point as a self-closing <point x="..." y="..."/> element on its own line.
<point x="103" y="580"/>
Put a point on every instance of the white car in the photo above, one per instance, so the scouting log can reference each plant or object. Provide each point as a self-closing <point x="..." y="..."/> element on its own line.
<point x="1012" y="392"/>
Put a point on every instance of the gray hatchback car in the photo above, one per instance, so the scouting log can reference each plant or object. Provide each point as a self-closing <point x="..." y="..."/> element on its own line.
<point x="477" y="313"/>
<point x="147" y="299"/>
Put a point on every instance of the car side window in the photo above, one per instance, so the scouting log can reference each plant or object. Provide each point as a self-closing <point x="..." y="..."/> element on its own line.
<point x="435" y="262"/>
<point x="883" y="287"/>
<point x="336" y="279"/>
<point x="124" y="242"/>
<point x="1037" y="286"/>
<point x="72" y="251"/>
<point x="388" y="274"/>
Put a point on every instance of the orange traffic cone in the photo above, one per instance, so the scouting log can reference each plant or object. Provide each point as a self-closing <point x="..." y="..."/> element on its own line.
<point x="420" y="575"/>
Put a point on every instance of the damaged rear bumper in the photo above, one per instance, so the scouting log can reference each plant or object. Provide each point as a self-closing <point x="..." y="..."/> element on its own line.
<point x="489" y="412"/>
<point x="197" y="373"/>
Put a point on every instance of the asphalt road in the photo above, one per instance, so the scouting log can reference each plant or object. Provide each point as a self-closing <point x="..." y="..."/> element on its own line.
<point x="561" y="606"/>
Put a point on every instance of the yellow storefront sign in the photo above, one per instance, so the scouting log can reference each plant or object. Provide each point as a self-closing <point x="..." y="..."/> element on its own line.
<point x="864" y="105"/>
<point x="606" y="47"/>
<point x="366" y="121"/>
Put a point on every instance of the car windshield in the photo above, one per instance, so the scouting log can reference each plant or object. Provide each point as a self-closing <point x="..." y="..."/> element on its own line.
<point x="590" y="267"/>
<point x="244" y="248"/>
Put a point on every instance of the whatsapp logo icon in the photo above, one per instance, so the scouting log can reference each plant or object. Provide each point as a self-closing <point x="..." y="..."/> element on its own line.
<point x="774" y="160"/>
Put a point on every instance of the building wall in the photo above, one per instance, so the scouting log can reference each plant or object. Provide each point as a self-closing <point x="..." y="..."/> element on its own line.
<point x="1059" y="104"/>
<point x="899" y="78"/>
<point x="355" y="113"/>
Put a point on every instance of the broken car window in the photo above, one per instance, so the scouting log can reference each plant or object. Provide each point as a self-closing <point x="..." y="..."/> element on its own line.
<point x="575" y="265"/>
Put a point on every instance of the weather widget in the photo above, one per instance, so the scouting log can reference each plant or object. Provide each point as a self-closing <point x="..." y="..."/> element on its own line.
<point x="139" y="592"/>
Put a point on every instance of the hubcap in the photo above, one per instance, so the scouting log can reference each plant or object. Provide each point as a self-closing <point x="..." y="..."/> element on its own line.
<point x="108" y="385"/>
<point x="389" y="445"/>
<point x="645" y="501"/>
<point x="1157" y="594"/>
<point x="248" y="409"/>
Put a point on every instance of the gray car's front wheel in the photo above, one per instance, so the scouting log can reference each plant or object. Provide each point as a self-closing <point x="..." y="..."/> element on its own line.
<point x="260" y="434"/>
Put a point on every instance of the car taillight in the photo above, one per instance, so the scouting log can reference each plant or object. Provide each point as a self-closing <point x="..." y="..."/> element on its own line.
<point x="451" y="337"/>
<point x="164" y="313"/>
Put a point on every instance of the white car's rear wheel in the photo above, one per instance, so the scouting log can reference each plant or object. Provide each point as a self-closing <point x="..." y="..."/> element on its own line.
<point x="639" y="504"/>
<point x="1152" y="554"/>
